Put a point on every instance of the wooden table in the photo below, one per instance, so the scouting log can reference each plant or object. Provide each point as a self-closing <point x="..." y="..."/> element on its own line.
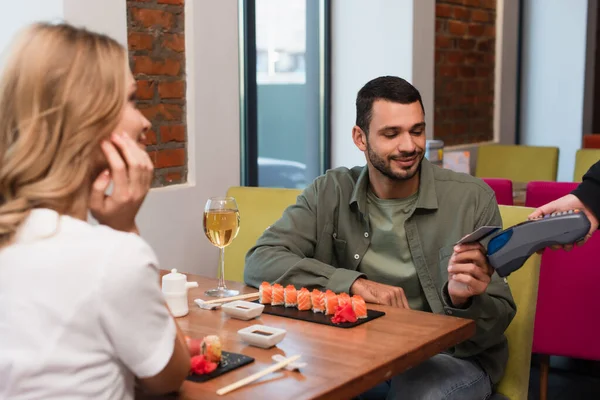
<point x="342" y="363"/>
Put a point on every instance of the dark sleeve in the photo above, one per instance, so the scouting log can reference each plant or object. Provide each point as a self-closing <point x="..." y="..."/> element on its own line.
<point x="589" y="190"/>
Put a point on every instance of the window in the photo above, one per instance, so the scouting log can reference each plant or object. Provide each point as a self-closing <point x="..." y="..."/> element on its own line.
<point x="285" y="92"/>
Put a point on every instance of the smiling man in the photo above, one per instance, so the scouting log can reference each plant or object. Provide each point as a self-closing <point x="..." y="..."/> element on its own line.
<point x="387" y="232"/>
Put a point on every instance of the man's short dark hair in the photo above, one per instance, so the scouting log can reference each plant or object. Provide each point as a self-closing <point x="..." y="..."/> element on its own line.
<point x="390" y="88"/>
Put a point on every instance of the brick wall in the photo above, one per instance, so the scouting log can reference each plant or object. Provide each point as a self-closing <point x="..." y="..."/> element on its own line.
<point x="465" y="41"/>
<point x="157" y="56"/>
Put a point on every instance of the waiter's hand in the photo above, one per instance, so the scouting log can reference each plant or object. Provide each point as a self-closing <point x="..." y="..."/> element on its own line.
<point x="566" y="203"/>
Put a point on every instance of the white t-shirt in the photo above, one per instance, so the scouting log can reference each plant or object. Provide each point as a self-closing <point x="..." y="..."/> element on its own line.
<point x="81" y="312"/>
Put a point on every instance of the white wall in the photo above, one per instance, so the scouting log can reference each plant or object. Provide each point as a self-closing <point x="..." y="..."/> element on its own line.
<point x="553" y="75"/>
<point x="370" y="39"/>
<point x="423" y="58"/>
<point x="18" y="14"/>
<point x="506" y="71"/>
<point x="105" y="16"/>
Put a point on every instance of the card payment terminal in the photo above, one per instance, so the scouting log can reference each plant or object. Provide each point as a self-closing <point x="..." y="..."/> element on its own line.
<point x="508" y="250"/>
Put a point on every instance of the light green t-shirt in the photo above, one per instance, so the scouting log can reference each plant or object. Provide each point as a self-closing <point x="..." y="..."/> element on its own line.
<point x="388" y="259"/>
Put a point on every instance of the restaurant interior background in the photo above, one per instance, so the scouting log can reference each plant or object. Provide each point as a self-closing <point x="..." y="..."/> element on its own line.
<point x="262" y="92"/>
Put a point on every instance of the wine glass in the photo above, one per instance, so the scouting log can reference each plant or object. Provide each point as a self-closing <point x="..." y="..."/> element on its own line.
<point x="221" y="226"/>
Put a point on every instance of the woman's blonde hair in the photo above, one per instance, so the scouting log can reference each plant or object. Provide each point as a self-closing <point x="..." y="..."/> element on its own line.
<point x="61" y="93"/>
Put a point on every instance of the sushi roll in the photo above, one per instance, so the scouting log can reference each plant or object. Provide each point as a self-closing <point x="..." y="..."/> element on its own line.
<point x="304" y="302"/>
<point x="331" y="302"/>
<point x="359" y="306"/>
<point x="290" y="296"/>
<point x="211" y="348"/>
<point x="265" y="293"/>
<point x="343" y="299"/>
<point x="318" y="301"/>
<point x="277" y="298"/>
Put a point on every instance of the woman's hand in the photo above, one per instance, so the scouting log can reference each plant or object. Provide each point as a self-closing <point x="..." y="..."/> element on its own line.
<point x="131" y="174"/>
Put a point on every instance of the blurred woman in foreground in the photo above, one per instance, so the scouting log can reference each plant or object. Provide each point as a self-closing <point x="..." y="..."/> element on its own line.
<point x="82" y="313"/>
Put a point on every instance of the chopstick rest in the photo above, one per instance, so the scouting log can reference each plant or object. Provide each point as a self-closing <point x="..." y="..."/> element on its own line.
<point x="295" y="366"/>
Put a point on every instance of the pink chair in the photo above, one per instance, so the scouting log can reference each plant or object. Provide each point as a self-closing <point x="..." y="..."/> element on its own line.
<point x="568" y="305"/>
<point x="503" y="189"/>
<point x="542" y="192"/>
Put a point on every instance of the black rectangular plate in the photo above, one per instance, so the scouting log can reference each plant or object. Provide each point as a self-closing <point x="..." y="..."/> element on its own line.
<point x="318" y="318"/>
<point x="229" y="362"/>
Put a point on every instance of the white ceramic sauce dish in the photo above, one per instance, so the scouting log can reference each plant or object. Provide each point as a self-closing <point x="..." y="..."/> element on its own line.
<point x="243" y="310"/>
<point x="262" y="336"/>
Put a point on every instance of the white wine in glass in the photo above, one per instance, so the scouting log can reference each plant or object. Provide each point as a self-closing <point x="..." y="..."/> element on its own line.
<point x="221" y="226"/>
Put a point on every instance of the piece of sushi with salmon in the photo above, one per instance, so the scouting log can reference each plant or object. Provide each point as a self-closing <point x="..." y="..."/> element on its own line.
<point x="343" y="299"/>
<point x="277" y="298"/>
<point x="359" y="306"/>
<point x="304" y="301"/>
<point x="318" y="301"/>
<point x="265" y="293"/>
<point x="331" y="302"/>
<point x="290" y="296"/>
<point x="210" y="348"/>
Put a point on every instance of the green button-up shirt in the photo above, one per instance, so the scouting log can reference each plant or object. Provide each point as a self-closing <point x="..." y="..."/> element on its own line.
<point x="320" y="241"/>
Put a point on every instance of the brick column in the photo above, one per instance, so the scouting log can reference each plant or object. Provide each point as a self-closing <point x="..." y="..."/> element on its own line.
<point x="464" y="70"/>
<point x="156" y="41"/>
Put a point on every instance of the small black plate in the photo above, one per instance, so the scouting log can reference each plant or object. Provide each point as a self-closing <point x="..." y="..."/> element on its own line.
<point x="229" y="362"/>
<point x="318" y="318"/>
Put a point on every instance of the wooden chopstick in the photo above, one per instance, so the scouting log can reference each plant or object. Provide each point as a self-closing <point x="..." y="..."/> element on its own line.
<point x="256" y="376"/>
<point x="227" y="299"/>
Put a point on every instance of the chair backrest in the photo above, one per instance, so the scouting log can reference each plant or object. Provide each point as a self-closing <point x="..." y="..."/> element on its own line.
<point x="524" y="286"/>
<point x="517" y="163"/>
<point x="565" y="324"/>
<point x="591" y="141"/>
<point x="259" y="208"/>
<point x="503" y="189"/>
<point x="584" y="159"/>
<point x="541" y="192"/>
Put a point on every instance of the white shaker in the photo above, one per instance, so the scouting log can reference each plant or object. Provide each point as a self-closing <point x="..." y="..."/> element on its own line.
<point x="174" y="288"/>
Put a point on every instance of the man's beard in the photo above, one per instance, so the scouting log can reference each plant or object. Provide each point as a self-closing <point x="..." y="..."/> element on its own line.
<point x="385" y="167"/>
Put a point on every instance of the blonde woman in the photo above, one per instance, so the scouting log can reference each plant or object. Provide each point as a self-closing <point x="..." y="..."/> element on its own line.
<point x="81" y="312"/>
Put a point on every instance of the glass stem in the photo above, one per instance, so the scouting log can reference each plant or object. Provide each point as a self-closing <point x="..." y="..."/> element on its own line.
<point x="221" y="285"/>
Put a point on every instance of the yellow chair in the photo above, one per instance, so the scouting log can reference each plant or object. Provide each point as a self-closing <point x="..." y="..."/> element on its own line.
<point x="584" y="159"/>
<point x="524" y="287"/>
<point x="259" y="208"/>
<point x="517" y="163"/>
